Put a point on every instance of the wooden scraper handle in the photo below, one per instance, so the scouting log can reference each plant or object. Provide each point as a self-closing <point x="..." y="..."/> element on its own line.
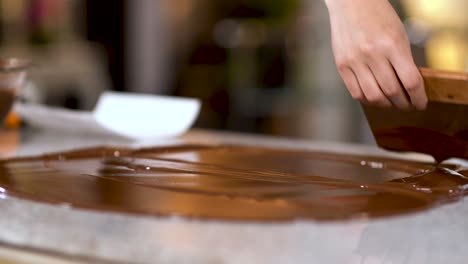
<point x="445" y="86"/>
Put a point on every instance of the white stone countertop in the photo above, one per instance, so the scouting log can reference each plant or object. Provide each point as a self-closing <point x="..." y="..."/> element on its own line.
<point x="32" y="232"/>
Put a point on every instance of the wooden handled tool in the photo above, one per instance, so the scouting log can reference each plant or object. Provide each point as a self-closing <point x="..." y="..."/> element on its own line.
<point x="441" y="130"/>
<point x="446" y="86"/>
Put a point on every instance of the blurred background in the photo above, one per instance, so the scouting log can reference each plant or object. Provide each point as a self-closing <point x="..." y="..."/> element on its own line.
<point x="258" y="66"/>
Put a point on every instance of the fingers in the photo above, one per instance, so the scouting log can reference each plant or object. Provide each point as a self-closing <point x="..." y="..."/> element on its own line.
<point x="363" y="86"/>
<point x="382" y="84"/>
<point x="389" y="83"/>
<point x="352" y="84"/>
<point x="370" y="87"/>
<point x="410" y="78"/>
<point x="371" y="48"/>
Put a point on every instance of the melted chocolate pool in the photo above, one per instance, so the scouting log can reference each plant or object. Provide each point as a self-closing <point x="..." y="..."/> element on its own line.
<point x="231" y="182"/>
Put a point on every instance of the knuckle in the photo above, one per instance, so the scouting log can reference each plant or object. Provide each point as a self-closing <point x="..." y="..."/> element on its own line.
<point x="413" y="82"/>
<point x="342" y="64"/>
<point x="392" y="91"/>
<point x="393" y="38"/>
<point x="394" y="41"/>
<point x="357" y="96"/>
<point x="349" y="58"/>
<point x="352" y="58"/>
<point x="368" y="48"/>
<point x="388" y="44"/>
<point x="355" y="92"/>
<point x="396" y="36"/>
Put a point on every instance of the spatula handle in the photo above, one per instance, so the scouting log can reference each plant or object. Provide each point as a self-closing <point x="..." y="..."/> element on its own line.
<point x="446" y="86"/>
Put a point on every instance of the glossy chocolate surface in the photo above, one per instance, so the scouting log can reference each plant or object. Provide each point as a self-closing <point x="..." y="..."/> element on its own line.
<point x="231" y="182"/>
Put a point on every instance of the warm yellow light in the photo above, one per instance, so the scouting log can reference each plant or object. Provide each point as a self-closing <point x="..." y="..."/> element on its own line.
<point x="439" y="13"/>
<point x="447" y="51"/>
<point x="12" y="11"/>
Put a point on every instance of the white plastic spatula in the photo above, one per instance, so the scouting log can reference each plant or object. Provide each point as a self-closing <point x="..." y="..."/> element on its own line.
<point x="131" y="116"/>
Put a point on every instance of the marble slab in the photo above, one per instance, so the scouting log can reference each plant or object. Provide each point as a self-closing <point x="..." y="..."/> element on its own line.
<point x="31" y="232"/>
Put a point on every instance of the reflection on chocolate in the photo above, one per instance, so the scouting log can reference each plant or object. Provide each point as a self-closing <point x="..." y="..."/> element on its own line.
<point x="231" y="182"/>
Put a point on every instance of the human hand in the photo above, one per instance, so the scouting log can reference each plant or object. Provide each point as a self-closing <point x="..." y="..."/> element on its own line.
<point x="373" y="54"/>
